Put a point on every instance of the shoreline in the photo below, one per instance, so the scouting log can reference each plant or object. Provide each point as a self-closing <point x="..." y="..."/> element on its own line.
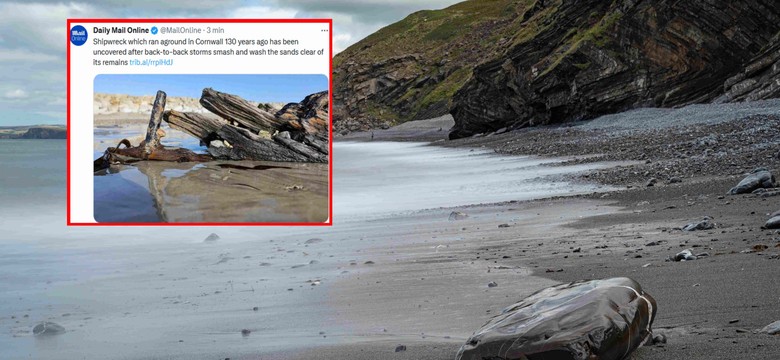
<point x="710" y="307"/>
<point x="701" y="314"/>
<point x="420" y="280"/>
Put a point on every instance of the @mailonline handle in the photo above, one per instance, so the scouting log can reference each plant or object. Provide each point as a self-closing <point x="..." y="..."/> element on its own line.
<point x="78" y="35"/>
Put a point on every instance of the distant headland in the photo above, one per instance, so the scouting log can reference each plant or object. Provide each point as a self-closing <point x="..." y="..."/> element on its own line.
<point x="34" y="132"/>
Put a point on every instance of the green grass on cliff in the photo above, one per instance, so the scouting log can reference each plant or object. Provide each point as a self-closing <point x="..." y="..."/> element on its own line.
<point x="456" y="39"/>
<point x="429" y="31"/>
<point x="450" y="41"/>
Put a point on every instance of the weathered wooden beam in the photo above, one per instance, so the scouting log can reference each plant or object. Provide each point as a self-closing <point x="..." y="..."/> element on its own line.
<point x="152" y="140"/>
<point x="234" y="108"/>
<point x="201" y="126"/>
<point x="310" y="153"/>
<point x="244" y="145"/>
<point x="316" y="142"/>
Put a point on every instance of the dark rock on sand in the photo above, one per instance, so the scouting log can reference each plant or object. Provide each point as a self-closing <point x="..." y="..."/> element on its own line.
<point x="400" y="348"/>
<point x="457" y="215"/>
<point x="211" y="238"/>
<point x="674" y="180"/>
<point x="705" y="223"/>
<point x="651" y="182"/>
<point x="47" y="328"/>
<point x="492" y="284"/>
<point x="773" y="223"/>
<point x="313" y="241"/>
<point x="758" y="178"/>
<point x="599" y="319"/>
<point x="246" y="332"/>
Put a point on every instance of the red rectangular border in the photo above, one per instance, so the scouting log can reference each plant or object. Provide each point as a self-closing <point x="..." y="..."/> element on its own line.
<point x="330" y="118"/>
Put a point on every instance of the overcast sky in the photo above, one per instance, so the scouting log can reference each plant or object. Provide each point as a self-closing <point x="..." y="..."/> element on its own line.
<point x="32" y="38"/>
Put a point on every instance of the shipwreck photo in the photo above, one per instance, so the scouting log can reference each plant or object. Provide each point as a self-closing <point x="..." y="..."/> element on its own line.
<point x="211" y="148"/>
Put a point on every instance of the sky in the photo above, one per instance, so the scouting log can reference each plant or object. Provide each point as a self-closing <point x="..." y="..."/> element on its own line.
<point x="33" y="33"/>
<point x="261" y="88"/>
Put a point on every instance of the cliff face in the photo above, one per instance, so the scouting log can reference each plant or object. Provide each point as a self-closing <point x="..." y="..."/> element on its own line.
<point x="580" y="59"/>
<point x="410" y="70"/>
<point x="502" y="64"/>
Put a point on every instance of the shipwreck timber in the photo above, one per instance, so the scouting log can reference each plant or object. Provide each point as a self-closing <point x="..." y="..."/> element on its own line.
<point x="235" y="130"/>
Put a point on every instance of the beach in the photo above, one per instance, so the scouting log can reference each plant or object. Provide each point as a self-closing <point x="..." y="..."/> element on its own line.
<point x="411" y="279"/>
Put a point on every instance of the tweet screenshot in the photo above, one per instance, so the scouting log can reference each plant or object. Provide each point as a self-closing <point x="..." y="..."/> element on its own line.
<point x="199" y="122"/>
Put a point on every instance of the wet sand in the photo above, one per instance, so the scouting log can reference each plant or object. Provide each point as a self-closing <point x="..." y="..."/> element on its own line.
<point x="709" y="308"/>
<point x="217" y="191"/>
<point x="420" y="280"/>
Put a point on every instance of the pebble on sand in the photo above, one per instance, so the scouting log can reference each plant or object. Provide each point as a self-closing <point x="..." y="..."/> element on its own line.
<point x="651" y="182"/>
<point x="758" y="178"/>
<point x="400" y="348"/>
<point x="492" y="284"/>
<point x="705" y="223"/>
<point x="772" y="329"/>
<point x="457" y="215"/>
<point x="685" y="255"/>
<point x="211" y="238"/>
<point x="773" y="222"/>
<point x="48" y="328"/>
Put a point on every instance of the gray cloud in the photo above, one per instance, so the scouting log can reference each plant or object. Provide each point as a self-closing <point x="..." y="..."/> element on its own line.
<point x="32" y="45"/>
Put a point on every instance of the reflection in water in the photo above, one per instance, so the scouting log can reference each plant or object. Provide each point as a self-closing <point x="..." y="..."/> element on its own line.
<point x="152" y="191"/>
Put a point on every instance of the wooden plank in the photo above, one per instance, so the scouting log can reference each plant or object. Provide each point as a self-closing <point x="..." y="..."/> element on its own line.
<point x="152" y="140"/>
<point x="233" y="108"/>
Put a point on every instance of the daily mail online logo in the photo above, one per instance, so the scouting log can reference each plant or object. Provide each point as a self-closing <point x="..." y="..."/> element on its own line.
<point x="78" y="35"/>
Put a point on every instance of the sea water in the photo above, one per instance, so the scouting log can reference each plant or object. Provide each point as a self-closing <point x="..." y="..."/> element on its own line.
<point x="136" y="292"/>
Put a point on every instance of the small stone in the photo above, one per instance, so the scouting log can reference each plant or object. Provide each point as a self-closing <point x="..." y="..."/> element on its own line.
<point x="659" y="339"/>
<point x="492" y="284"/>
<point x="773" y="222"/>
<point x="246" y="332"/>
<point x="255" y="308"/>
<point x="651" y="182"/>
<point x="503" y="225"/>
<point x="759" y="247"/>
<point x="47" y="328"/>
<point x="457" y="215"/>
<point x="772" y="329"/>
<point x="211" y="238"/>
<point x="685" y="255"/>
<point x="313" y="241"/>
<point x="577" y="250"/>
<point x="400" y="348"/>
<point x="705" y="223"/>
<point x="733" y="321"/>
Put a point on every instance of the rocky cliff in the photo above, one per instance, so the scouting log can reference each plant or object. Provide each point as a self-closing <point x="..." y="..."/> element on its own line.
<point x="410" y="70"/>
<point x="504" y="64"/>
<point x="582" y="59"/>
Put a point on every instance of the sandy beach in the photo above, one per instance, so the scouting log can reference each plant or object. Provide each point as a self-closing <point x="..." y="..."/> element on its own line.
<point x="708" y="308"/>
<point x="416" y="281"/>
